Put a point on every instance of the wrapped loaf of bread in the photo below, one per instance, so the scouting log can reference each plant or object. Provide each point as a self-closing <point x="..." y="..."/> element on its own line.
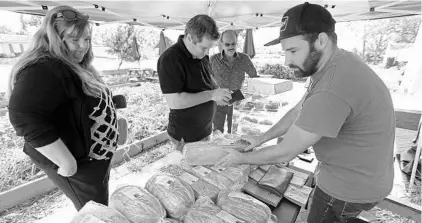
<point x="244" y="207"/>
<point x="203" y="211"/>
<point x="137" y="204"/>
<point x="93" y="212"/>
<point x="173" y="193"/>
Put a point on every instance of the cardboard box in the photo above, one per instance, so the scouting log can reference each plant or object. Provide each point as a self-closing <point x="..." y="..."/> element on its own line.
<point x="269" y="86"/>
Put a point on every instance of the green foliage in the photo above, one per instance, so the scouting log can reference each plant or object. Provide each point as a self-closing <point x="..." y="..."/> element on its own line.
<point x="278" y="71"/>
<point x="16" y="166"/>
<point x="147" y="111"/>
<point x="28" y="22"/>
<point x="119" y="40"/>
<point x="377" y="34"/>
<point x="5" y="30"/>
<point x="147" y="38"/>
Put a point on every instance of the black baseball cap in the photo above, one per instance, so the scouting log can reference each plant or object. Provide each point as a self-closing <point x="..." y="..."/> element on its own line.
<point x="302" y="19"/>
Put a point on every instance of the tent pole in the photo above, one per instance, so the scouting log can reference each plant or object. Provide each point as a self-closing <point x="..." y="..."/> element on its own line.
<point x="415" y="162"/>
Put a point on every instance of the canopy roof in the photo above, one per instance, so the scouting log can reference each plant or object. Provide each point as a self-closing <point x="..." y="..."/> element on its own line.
<point x="228" y="14"/>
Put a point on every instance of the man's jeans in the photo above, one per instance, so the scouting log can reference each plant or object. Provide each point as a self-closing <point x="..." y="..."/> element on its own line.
<point x="220" y="118"/>
<point x="326" y="209"/>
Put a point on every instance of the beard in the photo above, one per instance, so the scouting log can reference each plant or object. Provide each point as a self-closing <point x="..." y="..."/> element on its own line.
<point x="309" y="65"/>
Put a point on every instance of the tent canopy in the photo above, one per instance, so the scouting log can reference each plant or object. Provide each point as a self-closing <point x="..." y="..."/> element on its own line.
<point x="228" y="14"/>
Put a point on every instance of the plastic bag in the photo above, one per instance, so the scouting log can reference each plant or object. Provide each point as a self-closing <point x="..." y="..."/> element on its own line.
<point x="93" y="212"/>
<point x="203" y="211"/>
<point x="174" y="194"/>
<point x="244" y="207"/>
<point x="200" y="187"/>
<point x="137" y="204"/>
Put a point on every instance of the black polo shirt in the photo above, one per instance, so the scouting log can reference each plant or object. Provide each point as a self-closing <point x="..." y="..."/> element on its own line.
<point x="179" y="72"/>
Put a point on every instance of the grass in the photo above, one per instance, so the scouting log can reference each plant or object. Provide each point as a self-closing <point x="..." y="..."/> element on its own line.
<point x="147" y="112"/>
<point x="16" y="166"/>
<point x="36" y="208"/>
<point x="414" y="194"/>
<point x="384" y="216"/>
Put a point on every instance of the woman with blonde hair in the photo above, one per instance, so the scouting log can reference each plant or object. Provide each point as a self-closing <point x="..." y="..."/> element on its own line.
<point x="63" y="109"/>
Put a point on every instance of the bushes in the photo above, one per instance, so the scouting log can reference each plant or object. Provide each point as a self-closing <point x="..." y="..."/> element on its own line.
<point x="147" y="111"/>
<point x="9" y="55"/>
<point x="278" y="71"/>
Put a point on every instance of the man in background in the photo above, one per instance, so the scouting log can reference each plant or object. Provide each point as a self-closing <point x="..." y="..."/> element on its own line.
<point x="229" y="68"/>
<point x="187" y="84"/>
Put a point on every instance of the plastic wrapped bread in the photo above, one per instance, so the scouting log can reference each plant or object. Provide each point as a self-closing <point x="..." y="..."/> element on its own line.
<point x="203" y="211"/>
<point x="214" y="149"/>
<point x="244" y="207"/>
<point x="210" y="176"/>
<point x="172" y="169"/>
<point x="298" y="195"/>
<point x="276" y="180"/>
<point x="194" y="155"/>
<point x="174" y="194"/>
<point x="200" y="187"/>
<point x="237" y="174"/>
<point x="249" y="128"/>
<point x="168" y="220"/>
<point x="137" y="204"/>
<point x="218" y="180"/>
<point x="93" y="212"/>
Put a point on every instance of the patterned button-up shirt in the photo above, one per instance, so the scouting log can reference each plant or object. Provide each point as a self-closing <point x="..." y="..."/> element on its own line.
<point x="231" y="76"/>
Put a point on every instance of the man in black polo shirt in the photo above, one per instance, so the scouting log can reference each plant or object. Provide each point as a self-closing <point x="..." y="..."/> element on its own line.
<point x="187" y="83"/>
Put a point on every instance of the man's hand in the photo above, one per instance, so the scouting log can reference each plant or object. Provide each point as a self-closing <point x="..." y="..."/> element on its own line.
<point x="232" y="158"/>
<point x="68" y="169"/>
<point x="221" y="96"/>
<point x="254" y="141"/>
<point x="222" y="103"/>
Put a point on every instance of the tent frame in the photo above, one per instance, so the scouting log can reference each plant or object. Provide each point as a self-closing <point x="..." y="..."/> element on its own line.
<point x="34" y="7"/>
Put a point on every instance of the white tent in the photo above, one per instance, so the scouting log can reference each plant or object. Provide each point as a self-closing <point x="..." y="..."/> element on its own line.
<point x="228" y="14"/>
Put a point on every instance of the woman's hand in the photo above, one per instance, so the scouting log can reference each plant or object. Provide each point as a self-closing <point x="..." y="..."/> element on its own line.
<point x="68" y="169"/>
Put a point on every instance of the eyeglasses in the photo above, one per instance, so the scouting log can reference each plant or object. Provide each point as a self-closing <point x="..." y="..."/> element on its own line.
<point x="72" y="15"/>
<point x="230" y="44"/>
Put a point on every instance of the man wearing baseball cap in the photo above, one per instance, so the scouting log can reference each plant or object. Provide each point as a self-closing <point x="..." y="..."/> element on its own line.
<point x="346" y="114"/>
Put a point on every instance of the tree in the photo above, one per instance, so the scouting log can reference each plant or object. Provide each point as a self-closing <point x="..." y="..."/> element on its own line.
<point x="5" y="30"/>
<point x="241" y="40"/>
<point x="377" y="34"/>
<point x="119" y="40"/>
<point x="376" y="38"/>
<point x="119" y="43"/>
<point x="28" y="22"/>
<point x="147" y="38"/>
<point x="405" y="28"/>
